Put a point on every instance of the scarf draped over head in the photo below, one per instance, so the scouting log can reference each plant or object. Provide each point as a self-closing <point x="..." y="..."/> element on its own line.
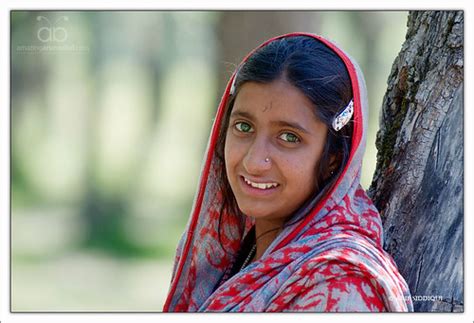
<point x="330" y="260"/>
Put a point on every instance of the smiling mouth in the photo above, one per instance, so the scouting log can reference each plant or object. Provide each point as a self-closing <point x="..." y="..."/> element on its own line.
<point x="260" y="186"/>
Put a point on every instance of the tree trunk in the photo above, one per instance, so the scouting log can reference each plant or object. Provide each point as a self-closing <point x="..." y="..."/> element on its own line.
<point x="418" y="183"/>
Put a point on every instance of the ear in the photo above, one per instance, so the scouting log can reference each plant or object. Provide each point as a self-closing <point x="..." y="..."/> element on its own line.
<point x="332" y="163"/>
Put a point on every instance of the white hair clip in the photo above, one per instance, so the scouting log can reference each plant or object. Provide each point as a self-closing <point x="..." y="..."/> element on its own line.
<point x="343" y="118"/>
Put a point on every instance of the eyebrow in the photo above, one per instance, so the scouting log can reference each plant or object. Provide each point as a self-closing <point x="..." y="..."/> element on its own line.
<point x="281" y="123"/>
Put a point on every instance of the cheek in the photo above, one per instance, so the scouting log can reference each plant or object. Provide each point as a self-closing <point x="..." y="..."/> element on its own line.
<point x="233" y="153"/>
<point x="301" y="172"/>
<point x="228" y="152"/>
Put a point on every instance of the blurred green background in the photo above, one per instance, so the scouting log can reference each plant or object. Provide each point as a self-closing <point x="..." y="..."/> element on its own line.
<point x="111" y="113"/>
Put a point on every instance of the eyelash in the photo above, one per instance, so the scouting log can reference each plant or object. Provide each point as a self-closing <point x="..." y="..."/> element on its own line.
<point x="297" y="138"/>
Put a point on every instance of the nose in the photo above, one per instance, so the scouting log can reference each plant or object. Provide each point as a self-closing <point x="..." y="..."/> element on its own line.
<point x="254" y="161"/>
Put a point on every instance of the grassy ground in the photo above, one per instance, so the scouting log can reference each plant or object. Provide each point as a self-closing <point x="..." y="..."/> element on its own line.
<point x="50" y="272"/>
<point x="90" y="282"/>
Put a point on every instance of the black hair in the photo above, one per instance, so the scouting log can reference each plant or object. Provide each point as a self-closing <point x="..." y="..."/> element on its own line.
<point x="321" y="75"/>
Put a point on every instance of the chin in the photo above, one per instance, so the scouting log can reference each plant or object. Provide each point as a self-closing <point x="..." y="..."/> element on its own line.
<point x="255" y="212"/>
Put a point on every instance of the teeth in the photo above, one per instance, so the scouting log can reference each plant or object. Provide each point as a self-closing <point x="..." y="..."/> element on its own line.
<point x="262" y="186"/>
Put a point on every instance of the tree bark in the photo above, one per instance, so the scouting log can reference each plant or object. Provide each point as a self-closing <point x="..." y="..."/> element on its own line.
<point x="418" y="183"/>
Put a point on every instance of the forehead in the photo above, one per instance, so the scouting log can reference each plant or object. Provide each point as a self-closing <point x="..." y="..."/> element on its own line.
<point x="275" y="100"/>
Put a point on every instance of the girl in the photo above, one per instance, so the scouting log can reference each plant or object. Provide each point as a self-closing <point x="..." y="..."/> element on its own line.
<point x="280" y="221"/>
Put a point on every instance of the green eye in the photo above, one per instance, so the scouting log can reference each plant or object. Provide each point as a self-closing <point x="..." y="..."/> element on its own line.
<point x="289" y="137"/>
<point x="243" y="127"/>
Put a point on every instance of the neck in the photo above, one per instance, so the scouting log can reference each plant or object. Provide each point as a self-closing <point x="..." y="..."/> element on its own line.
<point x="265" y="232"/>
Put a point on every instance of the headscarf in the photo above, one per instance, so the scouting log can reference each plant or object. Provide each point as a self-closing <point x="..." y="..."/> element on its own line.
<point x="330" y="260"/>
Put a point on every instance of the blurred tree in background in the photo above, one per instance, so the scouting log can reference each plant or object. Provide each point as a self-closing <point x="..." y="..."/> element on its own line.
<point x="111" y="113"/>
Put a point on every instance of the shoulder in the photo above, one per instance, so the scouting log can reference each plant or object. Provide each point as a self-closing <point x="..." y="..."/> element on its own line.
<point x="348" y="293"/>
<point x="334" y="287"/>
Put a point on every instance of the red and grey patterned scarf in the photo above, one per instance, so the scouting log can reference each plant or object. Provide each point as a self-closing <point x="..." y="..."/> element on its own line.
<point x="330" y="260"/>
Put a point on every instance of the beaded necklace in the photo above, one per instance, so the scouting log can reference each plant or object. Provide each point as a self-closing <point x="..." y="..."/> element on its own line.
<point x="249" y="257"/>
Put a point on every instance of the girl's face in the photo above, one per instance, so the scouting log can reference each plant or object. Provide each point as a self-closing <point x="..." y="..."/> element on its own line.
<point x="273" y="144"/>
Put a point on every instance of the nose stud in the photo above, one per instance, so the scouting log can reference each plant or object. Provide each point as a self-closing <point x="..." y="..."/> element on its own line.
<point x="267" y="160"/>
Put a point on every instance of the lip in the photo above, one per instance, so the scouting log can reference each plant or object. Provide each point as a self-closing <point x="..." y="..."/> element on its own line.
<point x="246" y="188"/>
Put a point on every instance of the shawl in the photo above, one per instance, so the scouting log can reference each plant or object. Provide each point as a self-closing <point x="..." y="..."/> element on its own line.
<point x="330" y="260"/>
